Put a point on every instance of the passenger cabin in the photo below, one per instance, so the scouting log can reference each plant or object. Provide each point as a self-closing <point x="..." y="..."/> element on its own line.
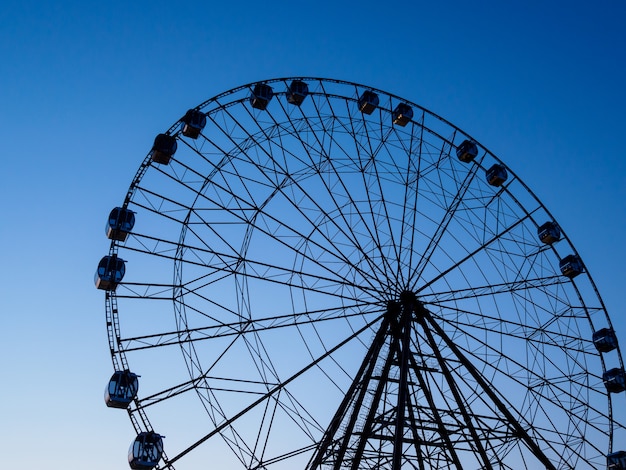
<point x="616" y="460"/>
<point x="402" y="115"/>
<point x="549" y="233"/>
<point x="192" y="123"/>
<point x="122" y="389"/>
<point x="605" y="340"/>
<point x="614" y="380"/>
<point x="496" y="175"/>
<point x="467" y="151"/>
<point x="164" y="147"/>
<point x="120" y="224"/>
<point x="146" y="451"/>
<point x="367" y="102"/>
<point x="261" y="96"/>
<point x="297" y="92"/>
<point x="571" y="266"/>
<point x="110" y="272"/>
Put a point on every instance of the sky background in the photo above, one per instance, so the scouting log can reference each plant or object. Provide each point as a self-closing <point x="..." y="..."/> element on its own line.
<point x="85" y="87"/>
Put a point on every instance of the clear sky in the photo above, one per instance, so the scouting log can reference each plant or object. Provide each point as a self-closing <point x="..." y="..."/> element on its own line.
<point x="85" y="86"/>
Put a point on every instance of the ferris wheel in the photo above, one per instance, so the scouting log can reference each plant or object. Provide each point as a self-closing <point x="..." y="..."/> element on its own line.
<point x="311" y="273"/>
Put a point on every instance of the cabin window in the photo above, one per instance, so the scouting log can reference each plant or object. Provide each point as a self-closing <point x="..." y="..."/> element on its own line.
<point x="164" y="148"/>
<point x="146" y="451"/>
<point x="605" y="340"/>
<point x="121" y="389"/>
<point x="120" y="223"/>
<point x="368" y="102"/>
<point x="549" y="233"/>
<point x="496" y="175"/>
<point x="571" y="266"/>
<point x="192" y="123"/>
<point x="614" y="380"/>
<point x="110" y="272"/>
<point x="261" y="96"/>
<point x="297" y="92"/>
<point x="467" y="151"/>
<point x="402" y="115"/>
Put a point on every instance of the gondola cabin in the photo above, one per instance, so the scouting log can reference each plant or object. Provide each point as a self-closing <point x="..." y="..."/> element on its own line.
<point x="164" y="148"/>
<point x="402" y="115"/>
<point x="496" y="175"/>
<point x="605" y="340"/>
<point x="368" y="102"/>
<point x="467" y="151"/>
<point x="261" y="96"/>
<point x="120" y="223"/>
<point x="614" y="380"/>
<point x="297" y="92"/>
<point x="121" y="389"/>
<point x="146" y="451"/>
<point x="110" y="272"/>
<point x="192" y="123"/>
<point x="616" y="460"/>
<point x="571" y="266"/>
<point x="549" y="233"/>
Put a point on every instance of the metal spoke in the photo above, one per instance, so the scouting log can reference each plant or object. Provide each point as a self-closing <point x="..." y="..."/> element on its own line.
<point x="314" y="281"/>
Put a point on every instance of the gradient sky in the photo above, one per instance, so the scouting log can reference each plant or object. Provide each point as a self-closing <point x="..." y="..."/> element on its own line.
<point x="85" y="86"/>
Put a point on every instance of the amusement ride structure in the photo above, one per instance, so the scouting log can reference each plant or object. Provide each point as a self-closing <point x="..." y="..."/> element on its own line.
<point x="311" y="273"/>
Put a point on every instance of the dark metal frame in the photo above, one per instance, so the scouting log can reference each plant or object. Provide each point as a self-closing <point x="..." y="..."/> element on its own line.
<point x="434" y="360"/>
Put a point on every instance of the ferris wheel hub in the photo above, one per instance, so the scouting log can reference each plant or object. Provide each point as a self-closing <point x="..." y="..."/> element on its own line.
<point x="408" y="298"/>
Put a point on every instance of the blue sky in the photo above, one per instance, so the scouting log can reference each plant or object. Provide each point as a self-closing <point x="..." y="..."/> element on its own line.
<point x="85" y="87"/>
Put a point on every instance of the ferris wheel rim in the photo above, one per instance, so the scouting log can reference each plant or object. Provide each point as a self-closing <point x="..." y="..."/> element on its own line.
<point x="119" y="356"/>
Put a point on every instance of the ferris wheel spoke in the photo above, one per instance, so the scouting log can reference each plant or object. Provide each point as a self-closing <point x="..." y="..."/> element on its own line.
<point x="384" y="214"/>
<point x="471" y="255"/>
<point x="232" y="264"/>
<point x="330" y="248"/>
<point x="195" y="187"/>
<point x="545" y="373"/>
<point x="357" y="212"/>
<point x="330" y="245"/>
<point x="493" y="289"/>
<point x="460" y="402"/>
<point x="141" y="290"/>
<point x="156" y="203"/>
<point x="519" y="329"/>
<point x="351" y="209"/>
<point x="409" y="215"/>
<point x="277" y="459"/>
<point x="191" y="386"/>
<point x="553" y="389"/>
<point x="301" y="416"/>
<point x="524" y="373"/>
<point x="504" y="408"/>
<point x="286" y="277"/>
<point x="226" y="169"/>
<point x="221" y="329"/>
<point x="284" y="240"/>
<point x="274" y="390"/>
<point x="442" y="226"/>
<point x="491" y="249"/>
<point x="367" y="156"/>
